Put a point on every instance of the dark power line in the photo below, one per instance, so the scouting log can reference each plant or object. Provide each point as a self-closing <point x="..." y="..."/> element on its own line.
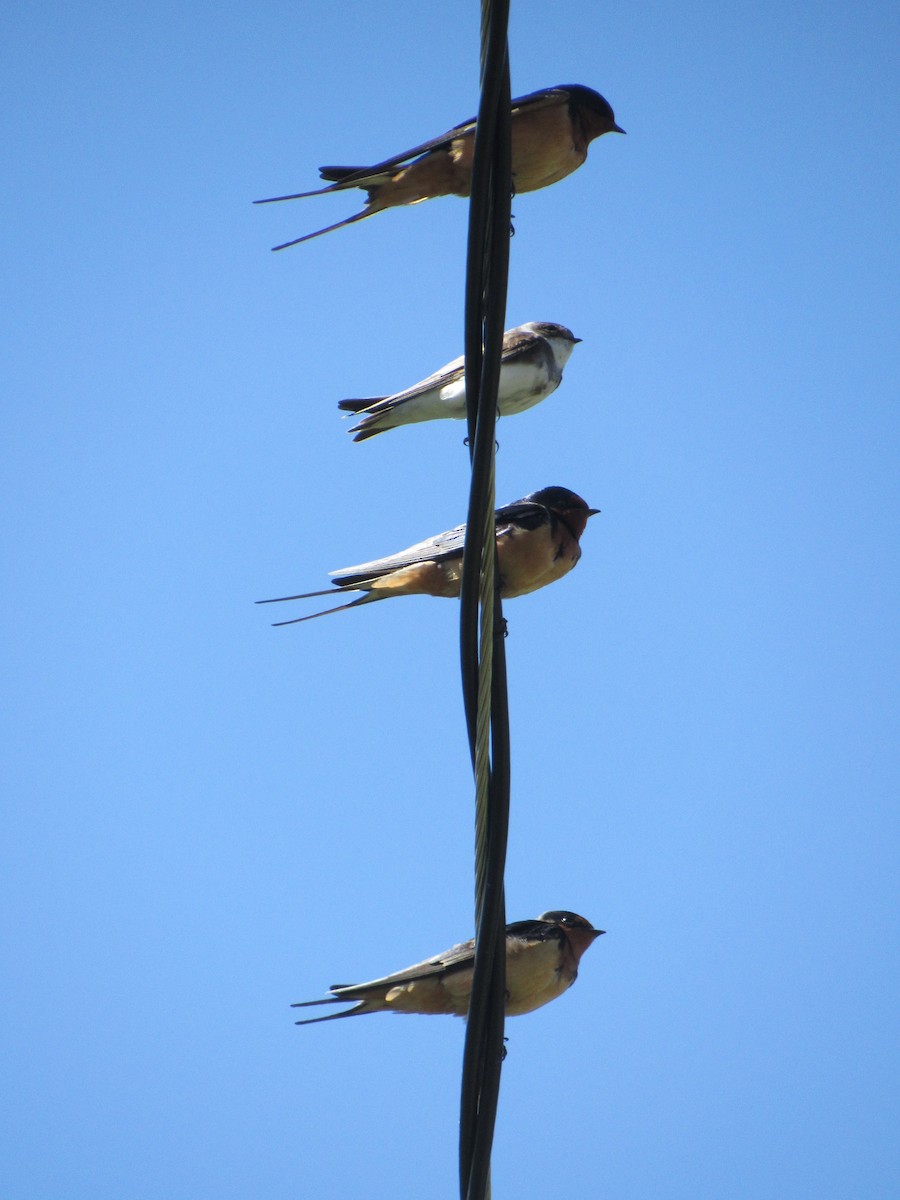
<point x="482" y="628"/>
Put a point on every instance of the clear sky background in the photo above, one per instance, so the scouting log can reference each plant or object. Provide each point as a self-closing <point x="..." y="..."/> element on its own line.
<point x="209" y="818"/>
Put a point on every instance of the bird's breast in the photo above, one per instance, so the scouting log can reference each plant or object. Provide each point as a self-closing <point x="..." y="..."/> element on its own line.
<point x="543" y="150"/>
<point x="523" y="385"/>
<point x="535" y="975"/>
<point x="532" y="558"/>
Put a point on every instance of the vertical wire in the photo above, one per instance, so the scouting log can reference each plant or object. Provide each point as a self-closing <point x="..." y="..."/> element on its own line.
<point x="482" y="651"/>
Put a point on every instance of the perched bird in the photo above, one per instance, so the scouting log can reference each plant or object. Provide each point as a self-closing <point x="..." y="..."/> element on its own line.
<point x="551" y="132"/>
<point x="542" y="959"/>
<point x="531" y="367"/>
<point x="537" y="543"/>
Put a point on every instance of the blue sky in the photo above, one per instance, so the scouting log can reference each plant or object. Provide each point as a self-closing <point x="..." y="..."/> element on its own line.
<point x="210" y="818"/>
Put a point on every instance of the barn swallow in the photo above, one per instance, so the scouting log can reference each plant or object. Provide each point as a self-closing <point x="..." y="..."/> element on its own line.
<point x="531" y="367"/>
<point x="551" y="132"/>
<point x="542" y="959"/>
<point x="537" y="543"/>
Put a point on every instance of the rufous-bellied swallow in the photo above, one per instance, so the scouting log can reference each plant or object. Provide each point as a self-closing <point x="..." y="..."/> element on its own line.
<point x="531" y="367"/>
<point x="537" y="543"/>
<point x="542" y="959"/>
<point x="551" y="132"/>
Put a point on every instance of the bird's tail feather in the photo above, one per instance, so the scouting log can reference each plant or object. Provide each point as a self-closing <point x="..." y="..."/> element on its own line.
<point x="302" y="596"/>
<point x="367" y="598"/>
<point x="296" y="195"/>
<point x="348" y="1012"/>
<point x="366" y="212"/>
<point x="363" y="431"/>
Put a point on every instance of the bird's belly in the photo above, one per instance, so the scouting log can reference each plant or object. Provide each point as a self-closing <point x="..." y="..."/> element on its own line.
<point x="529" y="1001"/>
<point x="423" y="579"/>
<point x="439" y="173"/>
<point x="452" y="401"/>
<point x="434" y="404"/>
<point x="435" y="996"/>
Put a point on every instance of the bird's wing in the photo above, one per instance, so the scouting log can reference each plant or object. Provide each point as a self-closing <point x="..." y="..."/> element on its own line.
<point x="524" y="514"/>
<point x="362" y="176"/>
<point x="359" y="176"/>
<point x="359" y="404"/>
<point x="457" y="958"/>
<point x="545" y="98"/>
<point x="534" y="930"/>
<point x="451" y="373"/>
<point x="517" y="341"/>
<point x="434" y="549"/>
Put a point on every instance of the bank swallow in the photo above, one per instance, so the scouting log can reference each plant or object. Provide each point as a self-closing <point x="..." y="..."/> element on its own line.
<point x="542" y="959"/>
<point x="551" y="132"/>
<point x="537" y="543"/>
<point x="531" y="367"/>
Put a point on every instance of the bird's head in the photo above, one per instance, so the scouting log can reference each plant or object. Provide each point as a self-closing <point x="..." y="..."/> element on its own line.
<point x="597" y="116"/>
<point x="567" y="506"/>
<point x="579" y="932"/>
